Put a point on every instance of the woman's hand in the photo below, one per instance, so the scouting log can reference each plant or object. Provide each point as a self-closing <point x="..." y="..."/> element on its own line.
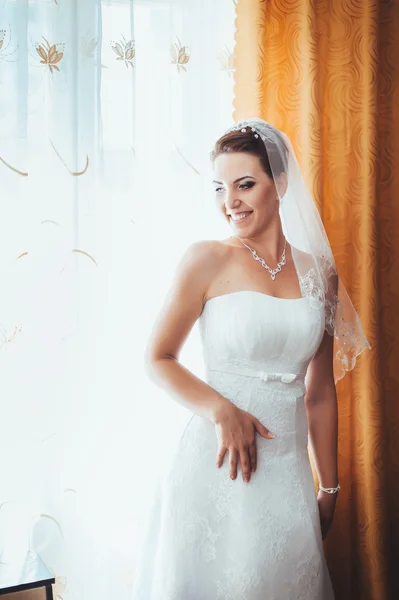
<point x="326" y="504"/>
<point x="236" y="430"/>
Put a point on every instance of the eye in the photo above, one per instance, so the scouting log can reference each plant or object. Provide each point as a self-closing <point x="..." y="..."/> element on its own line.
<point x="245" y="186"/>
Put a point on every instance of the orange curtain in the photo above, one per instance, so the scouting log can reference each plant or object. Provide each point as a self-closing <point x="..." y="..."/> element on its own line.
<point x="326" y="73"/>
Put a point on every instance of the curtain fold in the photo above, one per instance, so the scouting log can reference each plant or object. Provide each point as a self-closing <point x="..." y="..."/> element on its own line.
<point x="327" y="74"/>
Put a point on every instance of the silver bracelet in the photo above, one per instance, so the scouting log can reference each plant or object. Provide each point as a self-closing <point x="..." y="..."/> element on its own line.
<point x="330" y="490"/>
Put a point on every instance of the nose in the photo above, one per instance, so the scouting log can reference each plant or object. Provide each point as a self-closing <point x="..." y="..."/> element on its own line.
<point x="231" y="200"/>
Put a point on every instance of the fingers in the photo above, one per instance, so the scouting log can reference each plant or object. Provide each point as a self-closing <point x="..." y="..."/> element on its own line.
<point x="245" y="464"/>
<point x="247" y="460"/>
<point x="220" y="456"/>
<point x="252" y="456"/>
<point x="233" y="463"/>
<point x="264" y="432"/>
<point x="245" y="451"/>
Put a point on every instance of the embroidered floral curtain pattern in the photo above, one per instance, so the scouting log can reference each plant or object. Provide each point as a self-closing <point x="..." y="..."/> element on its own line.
<point x="108" y="111"/>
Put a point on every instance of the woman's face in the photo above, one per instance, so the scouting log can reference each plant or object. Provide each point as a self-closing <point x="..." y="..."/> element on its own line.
<point x="245" y="194"/>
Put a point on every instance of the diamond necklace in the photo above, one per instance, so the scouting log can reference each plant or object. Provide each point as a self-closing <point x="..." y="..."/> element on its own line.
<point x="273" y="272"/>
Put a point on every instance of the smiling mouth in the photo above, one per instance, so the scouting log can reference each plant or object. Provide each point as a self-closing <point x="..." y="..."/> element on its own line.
<point x="239" y="217"/>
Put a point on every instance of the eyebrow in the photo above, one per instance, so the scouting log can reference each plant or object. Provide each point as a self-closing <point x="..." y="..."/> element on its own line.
<point x="237" y="180"/>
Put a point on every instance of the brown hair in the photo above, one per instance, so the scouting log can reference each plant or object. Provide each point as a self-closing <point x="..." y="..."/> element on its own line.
<point x="237" y="141"/>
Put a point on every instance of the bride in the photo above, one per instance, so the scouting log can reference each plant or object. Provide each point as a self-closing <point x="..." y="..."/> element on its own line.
<point x="237" y="516"/>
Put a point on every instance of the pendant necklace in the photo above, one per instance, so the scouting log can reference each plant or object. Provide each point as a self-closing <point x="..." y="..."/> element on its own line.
<point x="273" y="272"/>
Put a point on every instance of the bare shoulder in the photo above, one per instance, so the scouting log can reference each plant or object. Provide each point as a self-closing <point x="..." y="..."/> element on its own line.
<point x="204" y="251"/>
<point x="185" y="299"/>
<point x="202" y="260"/>
<point x="305" y="257"/>
<point x="328" y="268"/>
<point x="308" y="260"/>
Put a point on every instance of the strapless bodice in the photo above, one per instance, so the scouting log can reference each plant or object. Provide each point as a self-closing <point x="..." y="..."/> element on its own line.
<point x="254" y="332"/>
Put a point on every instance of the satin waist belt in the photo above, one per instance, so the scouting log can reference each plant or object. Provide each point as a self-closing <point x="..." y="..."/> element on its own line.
<point x="264" y="375"/>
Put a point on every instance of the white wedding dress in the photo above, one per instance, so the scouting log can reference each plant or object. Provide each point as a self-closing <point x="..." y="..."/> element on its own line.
<point x="212" y="538"/>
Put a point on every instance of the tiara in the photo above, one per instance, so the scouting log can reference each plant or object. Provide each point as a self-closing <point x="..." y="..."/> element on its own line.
<point x="243" y="126"/>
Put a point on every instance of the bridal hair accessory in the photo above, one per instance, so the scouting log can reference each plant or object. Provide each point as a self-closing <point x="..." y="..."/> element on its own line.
<point x="304" y="231"/>
<point x="254" y="130"/>
<point x="330" y="490"/>
<point x="273" y="272"/>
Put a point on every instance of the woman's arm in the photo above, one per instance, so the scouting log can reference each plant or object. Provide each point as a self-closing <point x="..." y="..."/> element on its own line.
<point x="322" y="412"/>
<point x="235" y="428"/>
<point x="181" y="309"/>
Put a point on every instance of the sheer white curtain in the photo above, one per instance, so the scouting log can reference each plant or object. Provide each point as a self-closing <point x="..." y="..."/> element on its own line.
<point x="108" y="111"/>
